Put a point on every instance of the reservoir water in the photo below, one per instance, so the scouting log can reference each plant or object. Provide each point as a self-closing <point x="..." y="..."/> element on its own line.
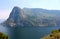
<point x="27" y="32"/>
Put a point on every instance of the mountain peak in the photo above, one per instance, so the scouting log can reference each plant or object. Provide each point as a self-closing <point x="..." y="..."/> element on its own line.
<point x="15" y="13"/>
<point x="16" y="7"/>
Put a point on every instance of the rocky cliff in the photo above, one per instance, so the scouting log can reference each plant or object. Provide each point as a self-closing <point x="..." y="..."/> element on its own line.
<point x="30" y="17"/>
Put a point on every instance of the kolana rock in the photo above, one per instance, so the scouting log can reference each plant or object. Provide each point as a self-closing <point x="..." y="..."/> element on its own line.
<point x="30" y="17"/>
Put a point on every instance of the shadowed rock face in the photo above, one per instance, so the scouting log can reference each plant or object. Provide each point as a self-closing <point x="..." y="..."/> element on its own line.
<point x="16" y="18"/>
<point x="15" y="14"/>
<point x="31" y="17"/>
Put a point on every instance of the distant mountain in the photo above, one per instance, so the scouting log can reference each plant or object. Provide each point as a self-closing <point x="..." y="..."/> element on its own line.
<point x="33" y="17"/>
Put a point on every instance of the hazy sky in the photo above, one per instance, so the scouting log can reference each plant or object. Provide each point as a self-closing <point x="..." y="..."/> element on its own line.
<point x="7" y="5"/>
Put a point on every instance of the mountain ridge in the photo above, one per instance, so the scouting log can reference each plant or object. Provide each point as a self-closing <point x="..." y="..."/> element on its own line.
<point x="31" y="17"/>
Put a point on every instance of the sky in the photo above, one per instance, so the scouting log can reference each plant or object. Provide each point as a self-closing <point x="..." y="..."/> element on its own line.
<point x="6" y="6"/>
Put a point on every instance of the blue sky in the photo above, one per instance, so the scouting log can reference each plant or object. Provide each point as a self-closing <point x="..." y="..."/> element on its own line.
<point x="7" y="5"/>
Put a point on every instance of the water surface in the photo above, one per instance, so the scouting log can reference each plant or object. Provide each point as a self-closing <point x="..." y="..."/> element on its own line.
<point x="27" y="32"/>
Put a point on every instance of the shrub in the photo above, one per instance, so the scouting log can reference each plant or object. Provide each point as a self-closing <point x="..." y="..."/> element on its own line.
<point x="55" y="31"/>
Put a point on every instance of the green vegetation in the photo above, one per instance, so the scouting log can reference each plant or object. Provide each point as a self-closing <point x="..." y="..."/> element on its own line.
<point x="55" y="31"/>
<point x="55" y="34"/>
<point x="3" y="36"/>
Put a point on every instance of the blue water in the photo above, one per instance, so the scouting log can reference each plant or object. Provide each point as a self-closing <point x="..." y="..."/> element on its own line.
<point x="4" y="29"/>
<point x="34" y="32"/>
<point x="27" y="32"/>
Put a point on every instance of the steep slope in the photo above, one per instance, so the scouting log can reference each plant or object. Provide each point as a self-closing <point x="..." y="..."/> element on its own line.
<point x="31" y="17"/>
<point x="40" y="17"/>
<point x="17" y="18"/>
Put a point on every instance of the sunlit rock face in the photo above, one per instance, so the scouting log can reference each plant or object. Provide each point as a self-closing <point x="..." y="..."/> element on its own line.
<point x="31" y="17"/>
